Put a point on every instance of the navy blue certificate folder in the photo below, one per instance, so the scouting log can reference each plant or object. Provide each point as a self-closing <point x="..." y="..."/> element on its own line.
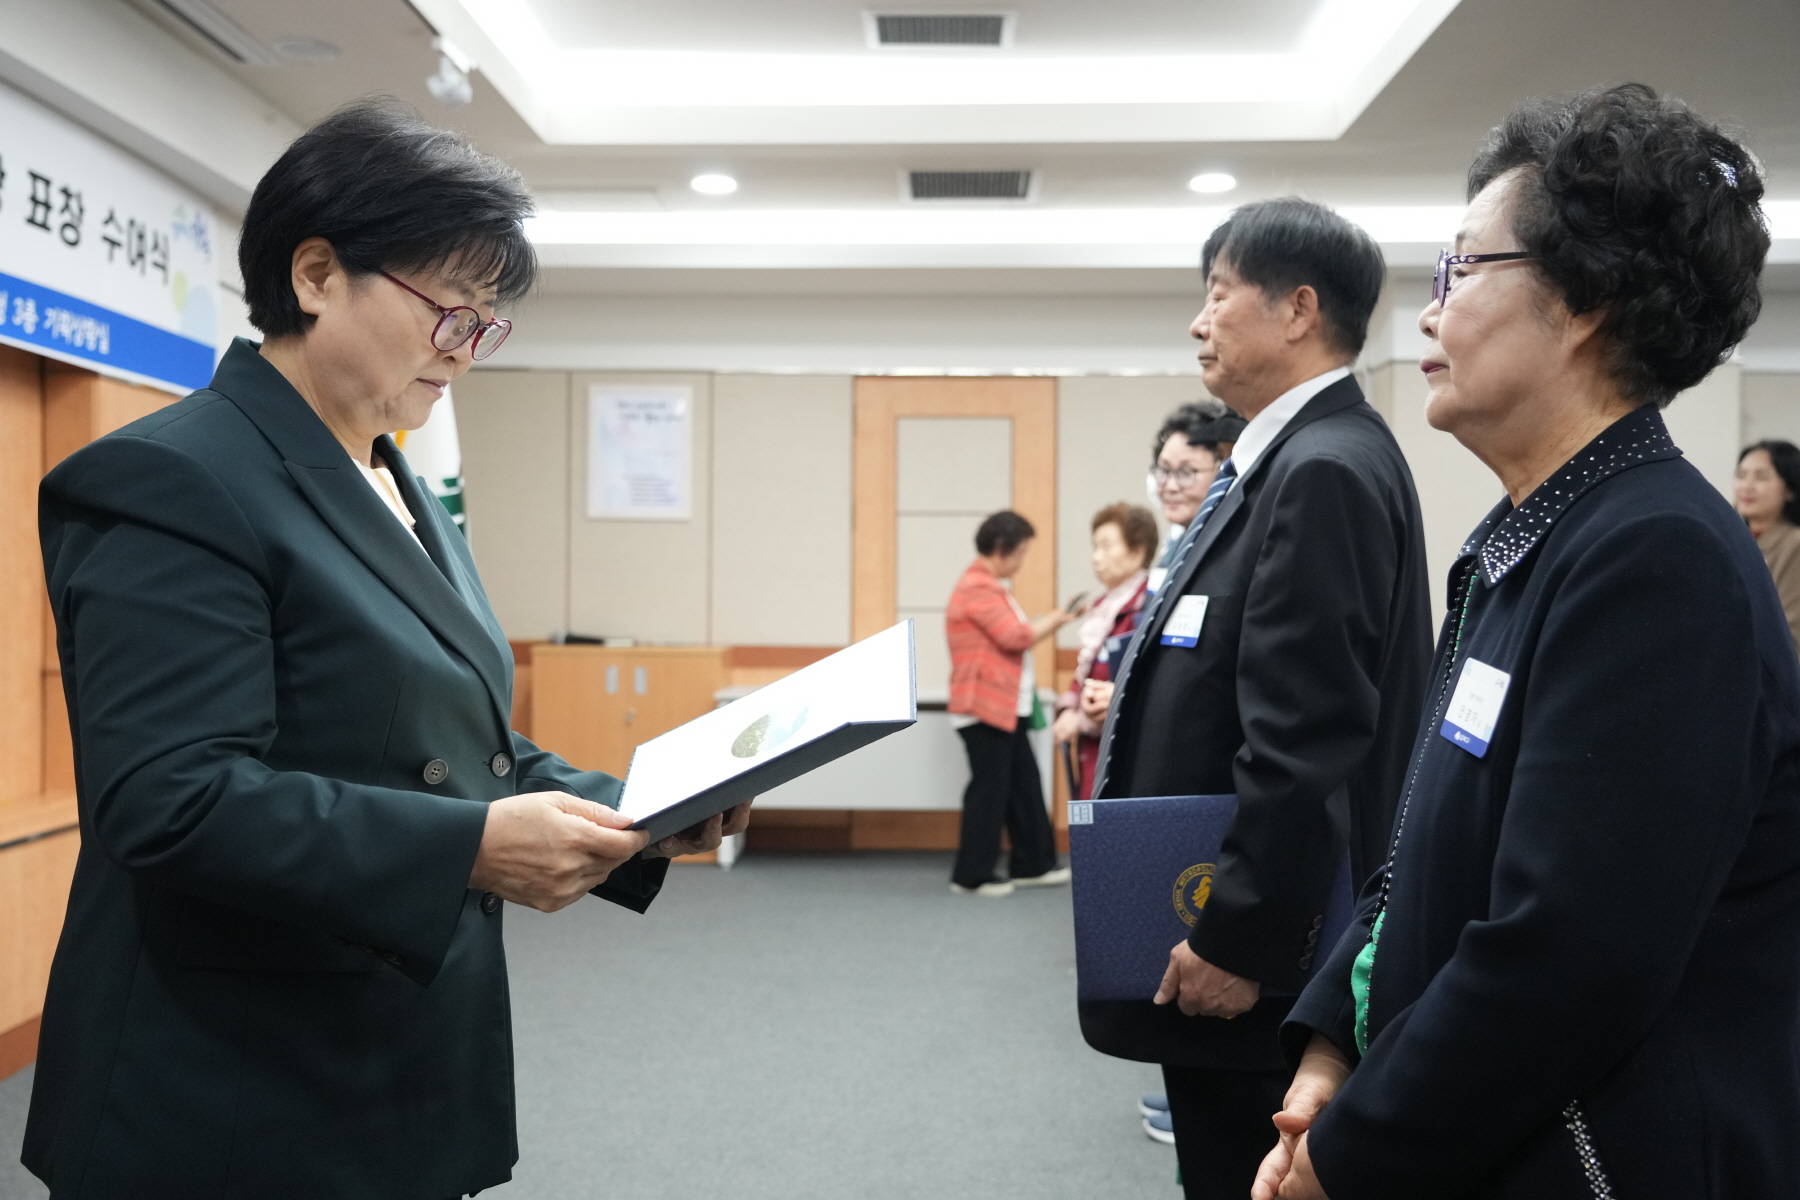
<point x="1142" y="870"/>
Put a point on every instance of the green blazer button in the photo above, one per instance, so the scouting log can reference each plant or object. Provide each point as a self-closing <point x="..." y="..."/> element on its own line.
<point x="436" y="771"/>
<point x="500" y="764"/>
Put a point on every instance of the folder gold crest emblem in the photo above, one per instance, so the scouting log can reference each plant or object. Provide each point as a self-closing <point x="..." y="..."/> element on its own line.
<point x="1192" y="890"/>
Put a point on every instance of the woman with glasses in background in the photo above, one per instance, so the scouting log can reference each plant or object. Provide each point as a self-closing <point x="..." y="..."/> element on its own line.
<point x="1578" y="973"/>
<point x="301" y="802"/>
<point x="1189" y="447"/>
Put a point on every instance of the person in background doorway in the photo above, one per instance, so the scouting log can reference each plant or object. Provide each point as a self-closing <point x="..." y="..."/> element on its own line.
<point x="1768" y="498"/>
<point x="1191" y="444"/>
<point x="993" y="697"/>
<point x="1124" y="540"/>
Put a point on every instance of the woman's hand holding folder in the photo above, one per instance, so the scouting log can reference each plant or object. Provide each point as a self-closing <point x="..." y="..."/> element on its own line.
<point x="698" y="839"/>
<point x="546" y="850"/>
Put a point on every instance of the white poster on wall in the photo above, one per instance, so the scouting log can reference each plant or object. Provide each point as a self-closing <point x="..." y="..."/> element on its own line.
<point x="639" y="452"/>
<point x="104" y="261"/>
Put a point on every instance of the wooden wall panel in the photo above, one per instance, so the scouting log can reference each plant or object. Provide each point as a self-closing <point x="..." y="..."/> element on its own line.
<point x="21" y="576"/>
<point x="47" y="412"/>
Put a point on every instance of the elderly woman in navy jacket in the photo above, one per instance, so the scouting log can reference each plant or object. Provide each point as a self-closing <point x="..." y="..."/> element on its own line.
<point x="1578" y="974"/>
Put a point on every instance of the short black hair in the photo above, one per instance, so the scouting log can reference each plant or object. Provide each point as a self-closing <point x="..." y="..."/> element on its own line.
<point x="1002" y="533"/>
<point x="390" y="193"/>
<point x="1203" y="423"/>
<point x="1785" y="458"/>
<point x="1632" y="204"/>
<point x="1280" y="245"/>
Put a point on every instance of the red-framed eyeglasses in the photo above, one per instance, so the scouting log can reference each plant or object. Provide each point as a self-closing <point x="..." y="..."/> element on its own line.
<point x="457" y="325"/>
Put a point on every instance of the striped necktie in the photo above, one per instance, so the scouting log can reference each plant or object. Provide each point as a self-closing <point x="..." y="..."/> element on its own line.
<point x="1215" y="494"/>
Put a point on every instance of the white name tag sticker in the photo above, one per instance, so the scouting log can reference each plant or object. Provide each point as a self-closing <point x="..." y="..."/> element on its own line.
<point x="1475" y="706"/>
<point x="1157" y="575"/>
<point x="1183" y="626"/>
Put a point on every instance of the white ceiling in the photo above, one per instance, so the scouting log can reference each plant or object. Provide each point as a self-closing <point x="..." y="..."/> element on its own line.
<point x="1324" y="61"/>
<point x="1040" y="27"/>
<point x="1109" y="167"/>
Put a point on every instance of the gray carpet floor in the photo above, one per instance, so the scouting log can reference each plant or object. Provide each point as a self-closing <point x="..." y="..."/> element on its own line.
<point x="804" y="1028"/>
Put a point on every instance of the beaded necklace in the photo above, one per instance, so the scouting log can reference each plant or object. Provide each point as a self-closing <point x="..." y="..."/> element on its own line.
<point x="1467" y="585"/>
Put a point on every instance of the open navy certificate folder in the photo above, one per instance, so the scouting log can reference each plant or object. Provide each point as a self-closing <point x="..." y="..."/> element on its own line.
<point x="1142" y="871"/>
<point x="777" y="733"/>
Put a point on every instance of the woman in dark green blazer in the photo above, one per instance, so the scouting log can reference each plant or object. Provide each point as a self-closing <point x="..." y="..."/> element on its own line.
<point x="282" y="974"/>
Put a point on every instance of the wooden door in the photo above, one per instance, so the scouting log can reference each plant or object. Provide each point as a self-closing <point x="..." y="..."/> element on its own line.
<point x="1029" y="406"/>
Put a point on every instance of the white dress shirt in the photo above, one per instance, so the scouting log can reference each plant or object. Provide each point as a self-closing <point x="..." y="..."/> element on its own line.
<point x="382" y="480"/>
<point x="1267" y="425"/>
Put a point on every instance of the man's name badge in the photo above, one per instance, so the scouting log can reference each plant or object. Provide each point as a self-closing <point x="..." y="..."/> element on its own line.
<point x="1183" y="626"/>
<point x="1475" y="706"/>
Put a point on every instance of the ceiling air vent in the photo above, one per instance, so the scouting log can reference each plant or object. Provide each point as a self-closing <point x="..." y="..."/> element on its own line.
<point x="946" y="29"/>
<point x="969" y="185"/>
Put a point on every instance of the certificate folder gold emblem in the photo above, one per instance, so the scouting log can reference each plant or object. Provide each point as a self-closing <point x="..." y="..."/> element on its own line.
<point x="775" y="734"/>
<point x="1142" y="872"/>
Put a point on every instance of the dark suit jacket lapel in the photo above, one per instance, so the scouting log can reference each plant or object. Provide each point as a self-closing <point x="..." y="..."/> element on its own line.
<point x="1339" y="396"/>
<point x="333" y="486"/>
<point x="446" y="545"/>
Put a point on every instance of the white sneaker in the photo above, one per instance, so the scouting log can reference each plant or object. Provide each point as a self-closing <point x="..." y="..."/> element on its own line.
<point x="996" y="888"/>
<point x="1054" y="877"/>
<point x="1160" y="1128"/>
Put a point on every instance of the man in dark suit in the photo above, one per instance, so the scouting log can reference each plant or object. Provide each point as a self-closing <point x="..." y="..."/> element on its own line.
<point x="1283" y="660"/>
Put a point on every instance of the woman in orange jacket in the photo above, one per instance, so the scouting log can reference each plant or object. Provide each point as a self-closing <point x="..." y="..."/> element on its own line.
<point x="993" y="686"/>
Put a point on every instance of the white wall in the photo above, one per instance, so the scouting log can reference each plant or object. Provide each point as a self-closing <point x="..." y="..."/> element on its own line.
<point x="514" y="431"/>
<point x="857" y="334"/>
<point x="767" y="558"/>
<point x="781" y="510"/>
<point x="1771" y="407"/>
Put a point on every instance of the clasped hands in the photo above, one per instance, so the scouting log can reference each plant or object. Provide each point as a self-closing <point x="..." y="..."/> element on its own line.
<point x="1200" y="989"/>
<point x="547" y="850"/>
<point x="1287" y="1172"/>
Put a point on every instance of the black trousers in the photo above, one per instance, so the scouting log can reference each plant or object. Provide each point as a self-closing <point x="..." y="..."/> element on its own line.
<point x="1222" y="1128"/>
<point x="1004" y="790"/>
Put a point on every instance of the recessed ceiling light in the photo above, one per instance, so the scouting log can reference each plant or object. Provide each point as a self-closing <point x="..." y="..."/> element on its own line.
<point x="1211" y="183"/>
<point x="713" y="184"/>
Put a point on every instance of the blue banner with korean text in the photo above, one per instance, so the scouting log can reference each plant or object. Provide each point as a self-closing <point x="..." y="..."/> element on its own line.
<point x="41" y="318"/>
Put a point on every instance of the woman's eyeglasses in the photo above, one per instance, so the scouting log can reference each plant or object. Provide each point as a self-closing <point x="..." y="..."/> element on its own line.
<point x="457" y="325"/>
<point x="1183" y="477"/>
<point x="1440" y="283"/>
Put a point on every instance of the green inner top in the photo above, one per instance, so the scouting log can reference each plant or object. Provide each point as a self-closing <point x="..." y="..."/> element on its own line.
<point x="1359" y="984"/>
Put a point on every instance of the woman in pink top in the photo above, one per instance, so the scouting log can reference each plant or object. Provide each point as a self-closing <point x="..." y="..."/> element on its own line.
<point x="1124" y="542"/>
